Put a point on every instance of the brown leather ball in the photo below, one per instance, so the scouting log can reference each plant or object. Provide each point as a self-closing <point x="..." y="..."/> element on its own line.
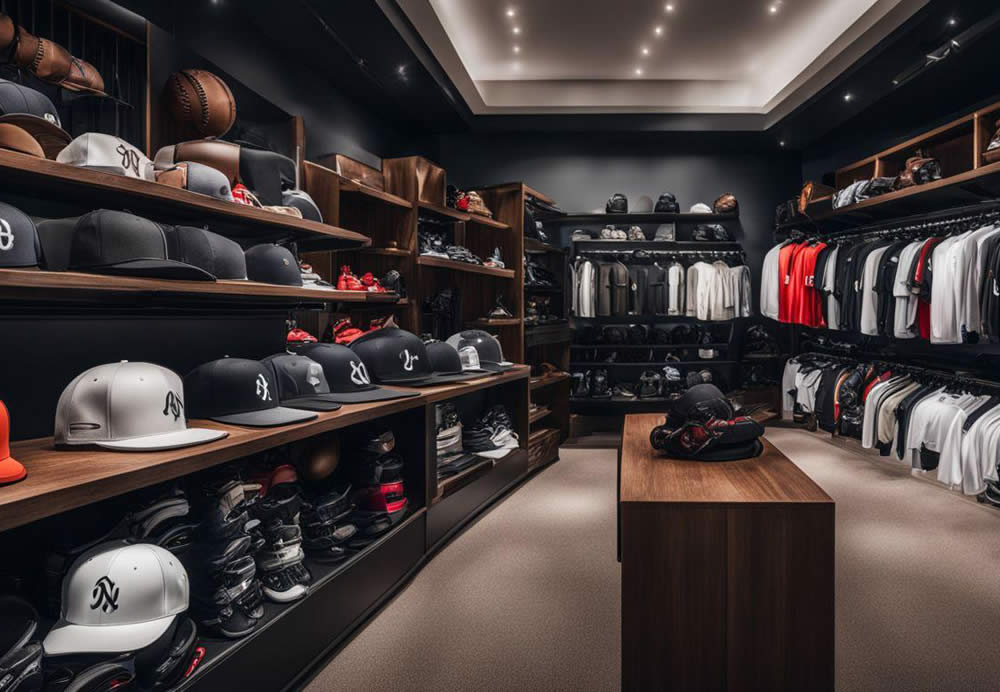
<point x="726" y="204"/>
<point x="200" y="103"/>
<point x="321" y="457"/>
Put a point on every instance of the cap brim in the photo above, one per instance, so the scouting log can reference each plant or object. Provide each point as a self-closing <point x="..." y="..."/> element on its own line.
<point x="433" y="380"/>
<point x="171" y="440"/>
<point x="317" y="402"/>
<point x="496" y="367"/>
<point x="67" y="638"/>
<point x="50" y="136"/>
<point x="11" y="470"/>
<point x="376" y="394"/>
<point x="268" y="418"/>
<point x="152" y="268"/>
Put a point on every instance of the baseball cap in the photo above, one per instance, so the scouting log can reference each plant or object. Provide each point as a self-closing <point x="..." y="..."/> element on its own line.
<point x="301" y="200"/>
<point x="301" y="382"/>
<point x="273" y="264"/>
<point x="107" y="153"/>
<point x="240" y="392"/>
<point x="118" y="597"/>
<point x="396" y="356"/>
<point x="219" y="256"/>
<point x="446" y="360"/>
<point x="11" y="470"/>
<point x="197" y="177"/>
<point x="15" y="138"/>
<point x="116" y="242"/>
<point x="347" y="375"/>
<point x="127" y="406"/>
<point x="700" y="208"/>
<point x="19" y="244"/>
<point x="35" y="113"/>
<point x="486" y="345"/>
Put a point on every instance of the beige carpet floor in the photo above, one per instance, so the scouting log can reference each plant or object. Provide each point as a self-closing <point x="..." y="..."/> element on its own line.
<point x="528" y="597"/>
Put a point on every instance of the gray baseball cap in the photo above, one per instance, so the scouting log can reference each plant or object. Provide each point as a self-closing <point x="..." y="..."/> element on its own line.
<point x="127" y="406"/>
<point x="118" y="597"/>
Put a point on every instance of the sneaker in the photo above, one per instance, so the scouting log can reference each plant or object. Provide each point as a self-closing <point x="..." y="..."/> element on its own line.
<point x="371" y="284"/>
<point x="495" y="260"/>
<point x="624" y="391"/>
<point x="348" y="281"/>
<point x="500" y="310"/>
<point x="600" y="387"/>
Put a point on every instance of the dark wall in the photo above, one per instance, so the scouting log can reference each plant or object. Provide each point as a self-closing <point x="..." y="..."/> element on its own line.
<point x="582" y="169"/>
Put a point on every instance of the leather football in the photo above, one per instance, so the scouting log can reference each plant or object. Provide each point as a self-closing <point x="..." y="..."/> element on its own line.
<point x="200" y="103"/>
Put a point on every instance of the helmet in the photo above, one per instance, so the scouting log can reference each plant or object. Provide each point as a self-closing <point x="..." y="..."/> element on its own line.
<point x="700" y="424"/>
<point x="618" y="204"/>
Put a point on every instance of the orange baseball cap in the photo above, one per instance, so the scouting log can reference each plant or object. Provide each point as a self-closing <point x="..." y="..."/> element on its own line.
<point x="11" y="470"/>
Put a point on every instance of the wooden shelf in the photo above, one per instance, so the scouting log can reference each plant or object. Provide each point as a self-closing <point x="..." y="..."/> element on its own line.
<point x="496" y="322"/>
<point x="643" y="347"/>
<point x="353" y="187"/>
<point x="452" y="484"/>
<point x="63" y="479"/>
<point x="480" y="220"/>
<point x="535" y="246"/>
<point x="539" y="382"/>
<point x="386" y="251"/>
<point x="538" y="414"/>
<point x="74" y="286"/>
<point x="442" y="263"/>
<point x="547" y="334"/>
<point x="661" y="245"/>
<point x="37" y="177"/>
<point x="657" y="366"/>
<point x="446" y="212"/>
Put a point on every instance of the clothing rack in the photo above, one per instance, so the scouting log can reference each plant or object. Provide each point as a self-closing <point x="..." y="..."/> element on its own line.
<point x="919" y="224"/>
<point x="920" y="373"/>
<point x="653" y="254"/>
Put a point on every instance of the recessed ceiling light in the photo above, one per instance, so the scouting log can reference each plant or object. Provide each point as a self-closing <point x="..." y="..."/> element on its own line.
<point x="952" y="21"/>
<point x="669" y="7"/>
<point x="645" y="50"/>
<point x="517" y="29"/>
<point x="517" y="49"/>
<point x="781" y="143"/>
<point x="773" y="9"/>
<point x="638" y="71"/>
<point x="848" y="97"/>
<point x="658" y="31"/>
<point x="510" y="12"/>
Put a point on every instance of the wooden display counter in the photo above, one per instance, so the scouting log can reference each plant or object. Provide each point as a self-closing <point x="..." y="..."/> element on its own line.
<point x="727" y="571"/>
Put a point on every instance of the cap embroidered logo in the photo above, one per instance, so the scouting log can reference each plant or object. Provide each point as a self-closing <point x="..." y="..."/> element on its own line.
<point x="173" y="405"/>
<point x="6" y="236"/>
<point x="130" y="158"/>
<point x="105" y="595"/>
<point x="408" y="360"/>
<point x="51" y="118"/>
<point x="263" y="393"/>
<point x="359" y="373"/>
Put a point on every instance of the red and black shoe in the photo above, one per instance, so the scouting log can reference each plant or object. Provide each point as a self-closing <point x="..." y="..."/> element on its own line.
<point x="372" y="284"/>
<point x="347" y="281"/>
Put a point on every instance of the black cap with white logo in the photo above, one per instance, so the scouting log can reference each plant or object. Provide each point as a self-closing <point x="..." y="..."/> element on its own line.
<point x="395" y="356"/>
<point x="116" y="242"/>
<point x="348" y="376"/>
<point x="273" y="264"/>
<point x="19" y="246"/>
<point x="237" y="391"/>
<point x="446" y="360"/>
<point x="301" y="383"/>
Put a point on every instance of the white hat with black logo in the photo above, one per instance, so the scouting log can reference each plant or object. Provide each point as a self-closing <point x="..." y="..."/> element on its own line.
<point x="118" y="597"/>
<point x="109" y="154"/>
<point x="129" y="407"/>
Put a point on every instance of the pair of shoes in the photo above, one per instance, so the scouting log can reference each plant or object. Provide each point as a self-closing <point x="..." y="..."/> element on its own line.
<point x="592" y="383"/>
<point x="495" y="260"/>
<point x="349" y="282"/>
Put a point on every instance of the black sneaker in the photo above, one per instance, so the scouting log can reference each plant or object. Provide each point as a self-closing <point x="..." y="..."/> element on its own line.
<point x="623" y="391"/>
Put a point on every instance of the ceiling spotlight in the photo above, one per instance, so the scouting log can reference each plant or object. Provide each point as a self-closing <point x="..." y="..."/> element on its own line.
<point x="638" y="72"/>
<point x="848" y="97"/>
<point x="669" y="7"/>
<point x="952" y="21"/>
<point x="781" y="143"/>
<point x="510" y="12"/>
<point x="773" y="9"/>
<point x="517" y="49"/>
<point x="517" y="29"/>
<point x="658" y="31"/>
<point x="645" y="51"/>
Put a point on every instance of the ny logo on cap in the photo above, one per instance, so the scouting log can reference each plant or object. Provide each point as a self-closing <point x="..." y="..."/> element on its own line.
<point x="408" y="360"/>
<point x="263" y="392"/>
<point x="105" y="595"/>
<point x="6" y="236"/>
<point x="173" y="405"/>
<point x="51" y="118"/>
<point x="359" y="373"/>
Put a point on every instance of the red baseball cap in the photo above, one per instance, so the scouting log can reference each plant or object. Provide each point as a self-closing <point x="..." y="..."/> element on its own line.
<point x="11" y="469"/>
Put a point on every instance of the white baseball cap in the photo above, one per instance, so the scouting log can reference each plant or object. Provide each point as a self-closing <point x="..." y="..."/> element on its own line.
<point x="109" y="154"/>
<point x="118" y="597"/>
<point x="700" y="208"/>
<point x="127" y="406"/>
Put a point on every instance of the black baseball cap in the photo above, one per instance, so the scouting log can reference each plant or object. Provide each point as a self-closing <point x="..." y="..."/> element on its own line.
<point x="396" y="356"/>
<point x="19" y="245"/>
<point x="347" y="375"/>
<point x="301" y="383"/>
<point x="116" y="242"/>
<point x="444" y="359"/>
<point x="487" y="345"/>
<point x="273" y="264"/>
<point x="237" y="391"/>
<point x="35" y="113"/>
<point x="219" y="256"/>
